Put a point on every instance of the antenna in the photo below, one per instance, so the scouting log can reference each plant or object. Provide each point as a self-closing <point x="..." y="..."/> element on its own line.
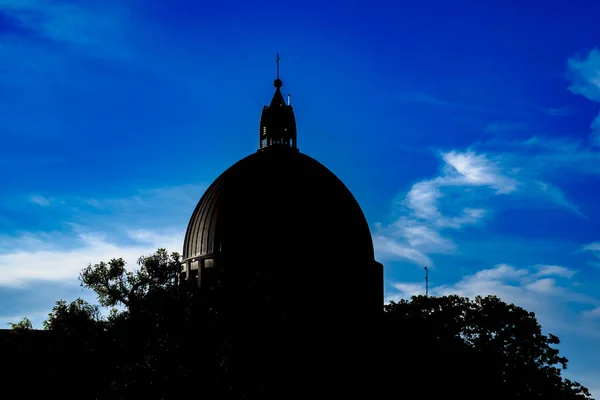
<point x="426" y="282"/>
<point x="277" y="62"/>
<point x="289" y="99"/>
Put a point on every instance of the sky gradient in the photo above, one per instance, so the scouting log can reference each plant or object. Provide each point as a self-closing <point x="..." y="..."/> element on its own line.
<point x="469" y="132"/>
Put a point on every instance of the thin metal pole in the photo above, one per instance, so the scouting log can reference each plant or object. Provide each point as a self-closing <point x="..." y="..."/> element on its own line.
<point x="426" y="282"/>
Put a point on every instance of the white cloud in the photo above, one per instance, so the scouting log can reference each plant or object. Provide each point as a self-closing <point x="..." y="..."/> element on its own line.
<point x="387" y="248"/>
<point x="594" y="249"/>
<point x="544" y="285"/>
<point x="422" y="199"/>
<point x="461" y="170"/>
<point x="596" y="130"/>
<point x="96" y="29"/>
<point x="543" y="156"/>
<point x="410" y="240"/>
<point x="149" y="200"/>
<point x="554" y="194"/>
<point x="55" y="264"/>
<point x="468" y="168"/>
<point x="95" y="203"/>
<point x="557" y="270"/>
<point x="421" y="236"/>
<point x="585" y="74"/>
<point x="427" y="99"/>
<point x="472" y="185"/>
<point x="528" y="165"/>
<point x="127" y="227"/>
<point x="100" y="229"/>
<point x="544" y="289"/>
<point x="40" y="200"/>
<point x="557" y="112"/>
<point x="143" y="209"/>
<point x="593" y="313"/>
<point x="419" y="232"/>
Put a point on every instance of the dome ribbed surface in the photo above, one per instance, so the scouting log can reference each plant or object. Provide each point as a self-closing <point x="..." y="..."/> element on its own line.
<point x="279" y="203"/>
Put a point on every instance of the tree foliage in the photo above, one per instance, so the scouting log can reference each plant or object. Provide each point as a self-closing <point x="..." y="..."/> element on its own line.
<point x="23" y="325"/>
<point x="161" y="341"/>
<point x="465" y="346"/>
<point x="73" y="318"/>
<point x="115" y="286"/>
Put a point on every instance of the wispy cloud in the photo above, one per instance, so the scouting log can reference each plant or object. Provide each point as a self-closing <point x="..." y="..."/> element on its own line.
<point x="593" y="313"/>
<point x="458" y="198"/>
<point x="55" y="53"/>
<point x="544" y="155"/>
<point x="557" y="112"/>
<point x="387" y="247"/>
<point x="545" y="289"/>
<point x="471" y="169"/>
<point x="97" y="229"/>
<point x="594" y="250"/>
<point x="427" y="99"/>
<point x="555" y="195"/>
<point x="417" y="233"/>
<point x="40" y="200"/>
<point x="94" y="29"/>
<point x="596" y="130"/>
<point x="145" y="201"/>
<point x="549" y="270"/>
<point x="39" y="267"/>
<point x="54" y="263"/>
<point x="585" y="76"/>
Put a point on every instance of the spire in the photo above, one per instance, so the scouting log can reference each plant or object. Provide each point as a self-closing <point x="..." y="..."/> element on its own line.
<point x="277" y="81"/>
<point x="277" y="123"/>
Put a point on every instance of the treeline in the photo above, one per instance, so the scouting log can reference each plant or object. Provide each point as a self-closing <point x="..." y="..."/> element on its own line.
<point x="169" y="342"/>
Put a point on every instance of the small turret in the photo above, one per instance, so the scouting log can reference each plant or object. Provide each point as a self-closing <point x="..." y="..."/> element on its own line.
<point x="277" y="123"/>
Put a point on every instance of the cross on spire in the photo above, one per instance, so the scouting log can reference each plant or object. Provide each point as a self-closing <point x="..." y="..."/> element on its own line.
<point x="277" y="82"/>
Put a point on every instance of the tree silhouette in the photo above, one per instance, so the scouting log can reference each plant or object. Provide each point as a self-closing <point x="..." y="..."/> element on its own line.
<point x="73" y="319"/>
<point x="162" y="340"/>
<point x="472" y="348"/>
<point x="114" y="285"/>
<point x="23" y="325"/>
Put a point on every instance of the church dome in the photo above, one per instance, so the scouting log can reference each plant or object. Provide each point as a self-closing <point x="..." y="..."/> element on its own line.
<point x="277" y="225"/>
<point x="282" y="253"/>
<point x="279" y="203"/>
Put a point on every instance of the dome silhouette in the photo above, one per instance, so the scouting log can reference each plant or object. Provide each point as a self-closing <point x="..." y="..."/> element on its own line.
<point x="278" y="225"/>
<point x="275" y="242"/>
<point x="279" y="203"/>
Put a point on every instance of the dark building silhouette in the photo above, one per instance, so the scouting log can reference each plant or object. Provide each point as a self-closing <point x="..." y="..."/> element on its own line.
<point x="280" y="206"/>
<point x="281" y="256"/>
<point x="285" y="247"/>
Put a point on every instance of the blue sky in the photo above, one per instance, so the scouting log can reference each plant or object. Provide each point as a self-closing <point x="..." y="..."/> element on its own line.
<point x="469" y="132"/>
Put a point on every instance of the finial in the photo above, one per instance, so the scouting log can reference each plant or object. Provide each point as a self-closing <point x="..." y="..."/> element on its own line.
<point x="277" y="82"/>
